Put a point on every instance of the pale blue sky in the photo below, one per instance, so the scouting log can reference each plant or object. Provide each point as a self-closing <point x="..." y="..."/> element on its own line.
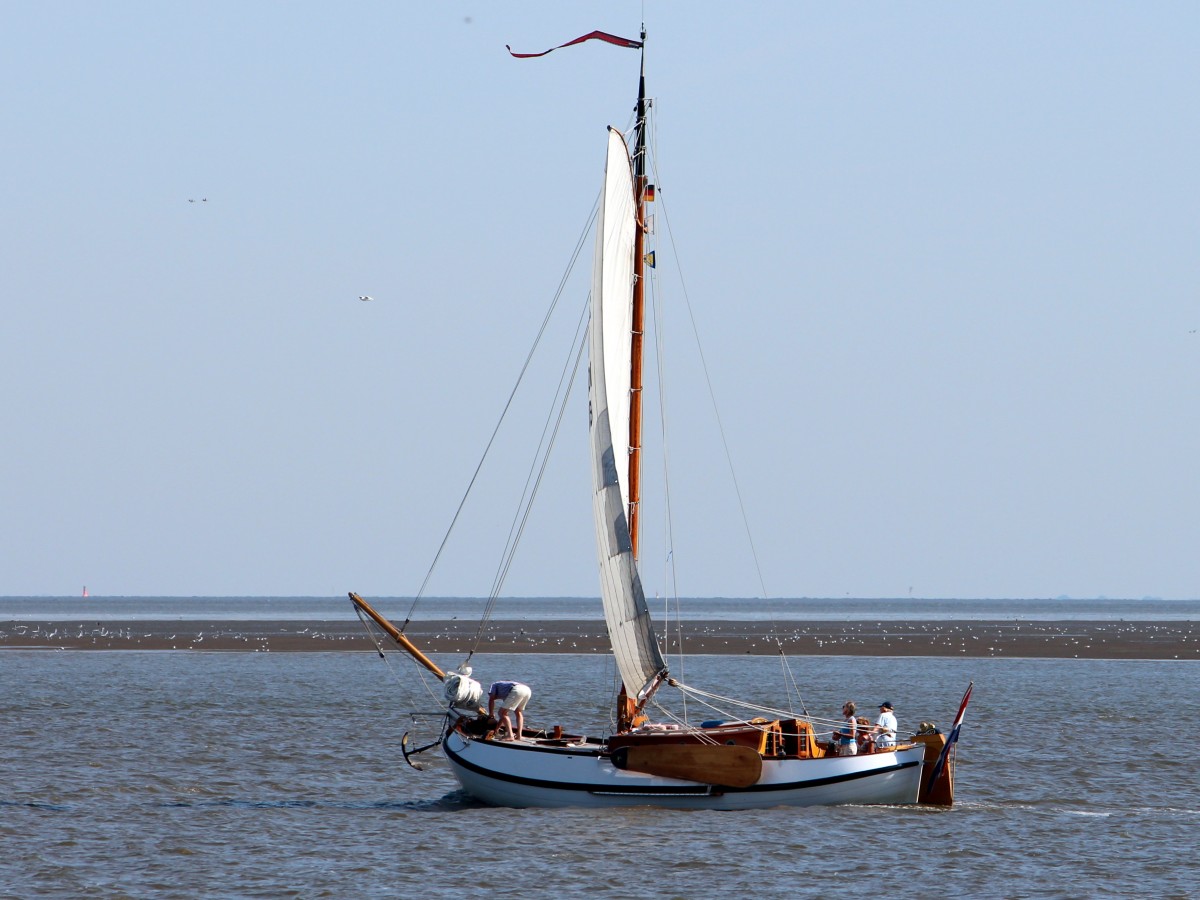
<point x="942" y="257"/>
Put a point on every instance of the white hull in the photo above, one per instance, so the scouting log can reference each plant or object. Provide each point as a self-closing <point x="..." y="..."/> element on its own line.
<point x="521" y="774"/>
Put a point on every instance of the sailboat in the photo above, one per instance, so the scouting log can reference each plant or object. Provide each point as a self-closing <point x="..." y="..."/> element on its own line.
<point x="731" y="765"/>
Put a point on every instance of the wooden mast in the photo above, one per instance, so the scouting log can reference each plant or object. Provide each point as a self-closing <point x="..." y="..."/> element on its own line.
<point x="629" y="711"/>
<point x="639" y="309"/>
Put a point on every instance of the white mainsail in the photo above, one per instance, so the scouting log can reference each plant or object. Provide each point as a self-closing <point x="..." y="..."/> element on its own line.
<point x="629" y="628"/>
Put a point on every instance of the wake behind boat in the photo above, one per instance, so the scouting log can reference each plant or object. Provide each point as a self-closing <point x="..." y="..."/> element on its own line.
<point x="780" y="758"/>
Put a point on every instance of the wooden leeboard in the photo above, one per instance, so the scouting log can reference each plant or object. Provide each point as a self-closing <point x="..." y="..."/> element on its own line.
<point x="724" y="765"/>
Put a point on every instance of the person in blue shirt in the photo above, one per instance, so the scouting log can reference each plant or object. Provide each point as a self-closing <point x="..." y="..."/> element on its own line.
<point x="847" y="733"/>
<point x="511" y="695"/>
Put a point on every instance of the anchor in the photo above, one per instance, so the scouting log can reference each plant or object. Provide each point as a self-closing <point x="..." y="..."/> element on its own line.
<point x="407" y="753"/>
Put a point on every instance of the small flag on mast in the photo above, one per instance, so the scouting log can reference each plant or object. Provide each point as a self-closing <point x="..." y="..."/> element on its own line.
<point x="594" y="36"/>
<point x="649" y="259"/>
<point x="649" y="193"/>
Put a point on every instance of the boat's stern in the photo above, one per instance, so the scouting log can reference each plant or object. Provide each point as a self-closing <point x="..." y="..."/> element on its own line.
<point x="939" y="791"/>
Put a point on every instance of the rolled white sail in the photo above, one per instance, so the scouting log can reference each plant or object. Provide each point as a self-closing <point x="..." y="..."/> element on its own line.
<point x="612" y="293"/>
<point x="625" y="612"/>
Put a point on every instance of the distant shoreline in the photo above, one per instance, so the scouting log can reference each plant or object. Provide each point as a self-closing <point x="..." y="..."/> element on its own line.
<point x="1010" y="638"/>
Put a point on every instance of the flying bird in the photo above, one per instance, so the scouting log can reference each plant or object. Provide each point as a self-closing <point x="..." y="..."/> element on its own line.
<point x="366" y="298"/>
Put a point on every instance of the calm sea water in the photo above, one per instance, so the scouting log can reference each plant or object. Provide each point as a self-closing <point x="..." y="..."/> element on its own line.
<point x="704" y="608"/>
<point x="181" y="774"/>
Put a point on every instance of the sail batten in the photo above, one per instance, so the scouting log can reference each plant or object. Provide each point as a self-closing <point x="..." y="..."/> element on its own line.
<point x="626" y="614"/>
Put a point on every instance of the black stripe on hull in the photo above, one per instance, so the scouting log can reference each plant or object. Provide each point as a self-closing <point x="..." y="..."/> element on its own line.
<point x="698" y="790"/>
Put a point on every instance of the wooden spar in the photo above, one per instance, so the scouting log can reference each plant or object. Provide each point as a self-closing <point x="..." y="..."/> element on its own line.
<point x="639" y="311"/>
<point x="628" y="712"/>
<point x="394" y="633"/>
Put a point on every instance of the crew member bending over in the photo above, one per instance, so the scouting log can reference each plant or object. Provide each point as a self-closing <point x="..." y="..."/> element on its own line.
<point x="512" y="695"/>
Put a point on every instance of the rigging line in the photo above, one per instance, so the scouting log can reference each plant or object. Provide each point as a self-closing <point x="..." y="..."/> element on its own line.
<point x="579" y="245"/>
<point x="672" y="579"/>
<point x="671" y="588"/>
<point x="833" y="724"/>
<point x="774" y="632"/>
<point x="740" y="704"/>
<point x="711" y="393"/>
<point x="372" y="632"/>
<point x="563" y="384"/>
<point x="790" y="679"/>
<point x="701" y="735"/>
<point x="613" y="678"/>
<point x="546" y="458"/>
<point x="577" y="348"/>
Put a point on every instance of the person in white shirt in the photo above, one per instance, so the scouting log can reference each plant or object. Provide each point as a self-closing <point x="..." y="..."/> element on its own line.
<point x="885" y="727"/>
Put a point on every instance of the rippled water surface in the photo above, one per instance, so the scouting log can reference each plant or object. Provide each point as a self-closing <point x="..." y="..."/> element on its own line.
<point x="178" y="774"/>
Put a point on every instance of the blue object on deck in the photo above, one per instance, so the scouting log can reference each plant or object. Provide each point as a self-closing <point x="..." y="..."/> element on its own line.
<point x="712" y="723"/>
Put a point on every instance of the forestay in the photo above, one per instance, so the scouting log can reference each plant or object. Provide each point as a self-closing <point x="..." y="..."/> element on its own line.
<point x="626" y="614"/>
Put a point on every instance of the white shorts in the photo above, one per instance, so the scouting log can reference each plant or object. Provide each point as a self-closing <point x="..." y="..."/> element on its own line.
<point x="517" y="698"/>
<point x="848" y="749"/>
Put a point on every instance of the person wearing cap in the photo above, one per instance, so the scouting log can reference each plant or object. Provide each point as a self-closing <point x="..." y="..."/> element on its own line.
<point x="885" y="727"/>
<point x="512" y="695"/>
